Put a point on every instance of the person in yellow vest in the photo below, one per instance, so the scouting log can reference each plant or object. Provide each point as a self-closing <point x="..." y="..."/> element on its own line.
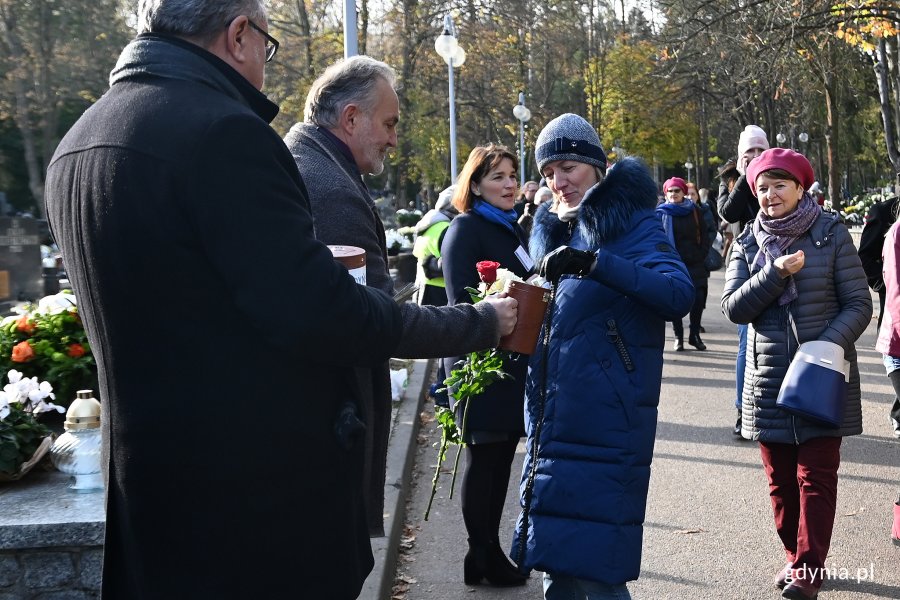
<point x="430" y="232"/>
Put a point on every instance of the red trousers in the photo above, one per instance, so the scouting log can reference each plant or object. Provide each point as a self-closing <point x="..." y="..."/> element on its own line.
<point x="803" y="487"/>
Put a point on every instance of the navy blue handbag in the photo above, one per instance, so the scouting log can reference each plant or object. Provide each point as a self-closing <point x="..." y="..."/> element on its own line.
<point x="815" y="385"/>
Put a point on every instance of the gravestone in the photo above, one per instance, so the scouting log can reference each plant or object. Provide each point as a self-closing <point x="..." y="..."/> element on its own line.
<point x="20" y="260"/>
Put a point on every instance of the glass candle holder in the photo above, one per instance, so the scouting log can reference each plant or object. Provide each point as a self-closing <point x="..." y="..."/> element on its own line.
<point x="77" y="451"/>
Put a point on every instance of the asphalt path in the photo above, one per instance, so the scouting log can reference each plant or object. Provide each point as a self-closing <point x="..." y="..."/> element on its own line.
<point x="708" y="531"/>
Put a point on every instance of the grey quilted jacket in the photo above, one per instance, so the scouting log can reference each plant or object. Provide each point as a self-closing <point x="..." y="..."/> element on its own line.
<point x="833" y="304"/>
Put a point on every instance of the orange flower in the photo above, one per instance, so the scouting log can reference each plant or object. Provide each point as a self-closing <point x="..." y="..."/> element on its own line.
<point x="22" y="352"/>
<point x="76" y="350"/>
<point x="24" y="325"/>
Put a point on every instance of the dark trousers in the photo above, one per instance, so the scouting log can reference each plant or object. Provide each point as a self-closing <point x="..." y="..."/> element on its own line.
<point x="484" y="488"/>
<point x="701" y="290"/>
<point x="803" y="488"/>
<point x="895" y="407"/>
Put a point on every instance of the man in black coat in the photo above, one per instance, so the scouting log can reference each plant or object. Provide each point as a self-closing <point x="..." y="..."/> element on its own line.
<point x="222" y="328"/>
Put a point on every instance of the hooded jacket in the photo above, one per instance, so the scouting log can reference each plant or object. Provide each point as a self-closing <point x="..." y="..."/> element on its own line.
<point x="833" y="304"/>
<point x="593" y="384"/>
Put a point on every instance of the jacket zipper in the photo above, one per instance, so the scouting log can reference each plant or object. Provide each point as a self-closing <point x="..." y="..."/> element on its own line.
<point x="613" y="335"/>
<point x="539" y="425"/>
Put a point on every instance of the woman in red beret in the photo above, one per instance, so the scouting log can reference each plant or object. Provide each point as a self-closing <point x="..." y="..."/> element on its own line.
<point x="683" y="223"/>
<point x="794" y="276"/>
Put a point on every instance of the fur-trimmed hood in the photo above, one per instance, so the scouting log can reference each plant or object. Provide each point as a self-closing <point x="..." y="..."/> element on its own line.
<point x="606" y="210"/>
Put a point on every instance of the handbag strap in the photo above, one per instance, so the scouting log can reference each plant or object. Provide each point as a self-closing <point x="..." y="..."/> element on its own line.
<point x="793" y="326"/>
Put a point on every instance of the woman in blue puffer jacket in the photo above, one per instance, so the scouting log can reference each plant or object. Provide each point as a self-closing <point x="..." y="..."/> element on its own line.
<point x="593" y="383"/>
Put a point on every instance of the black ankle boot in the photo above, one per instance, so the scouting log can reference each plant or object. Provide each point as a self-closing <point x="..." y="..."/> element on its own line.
<point x="504" y="563"/>
<point x="489" y="562"/>
<point x="695" y="341"/>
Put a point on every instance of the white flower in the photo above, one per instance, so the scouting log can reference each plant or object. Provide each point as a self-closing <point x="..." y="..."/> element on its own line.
<point x="46" y="406"/>
<point x="504" y="277"/>
<point x="27" y="391"/>
<point x="57" y="303"/>
<point x="39" y="391"/>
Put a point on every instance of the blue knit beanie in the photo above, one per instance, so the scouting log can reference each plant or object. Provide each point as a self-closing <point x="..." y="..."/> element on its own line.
<point x="569" y="137"/>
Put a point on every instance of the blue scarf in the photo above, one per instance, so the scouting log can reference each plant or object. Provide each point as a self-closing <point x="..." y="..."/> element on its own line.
<point x="667" y="210"/>
<point x="505" y="218"/>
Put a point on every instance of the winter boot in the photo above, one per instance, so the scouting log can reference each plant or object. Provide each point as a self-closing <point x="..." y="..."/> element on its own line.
<point x="695" y="341"/>
<point x="489" y="562"/>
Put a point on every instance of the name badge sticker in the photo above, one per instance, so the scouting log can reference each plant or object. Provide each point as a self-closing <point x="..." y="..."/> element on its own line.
<point x="523" y="257"/>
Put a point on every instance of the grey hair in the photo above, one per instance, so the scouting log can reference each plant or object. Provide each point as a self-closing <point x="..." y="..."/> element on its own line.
<point x="350" y="81"/>
<point x="199" y="20"/>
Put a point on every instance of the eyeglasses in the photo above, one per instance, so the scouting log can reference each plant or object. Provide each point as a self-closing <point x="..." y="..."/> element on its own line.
<point x="271" y="43"/>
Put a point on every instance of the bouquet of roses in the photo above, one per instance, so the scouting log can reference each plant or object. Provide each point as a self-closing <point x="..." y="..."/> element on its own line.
<point x="20" y="433"/>
<point x="48" y="341"/>
<point x="473" y="375"/>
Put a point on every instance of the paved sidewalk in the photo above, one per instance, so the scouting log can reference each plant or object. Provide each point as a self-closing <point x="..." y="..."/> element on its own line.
<point x="708" y="532"/>
<point x="401" y="454"/>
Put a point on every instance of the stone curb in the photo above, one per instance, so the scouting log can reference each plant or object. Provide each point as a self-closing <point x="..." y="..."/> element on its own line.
<point x="400" y="458"/>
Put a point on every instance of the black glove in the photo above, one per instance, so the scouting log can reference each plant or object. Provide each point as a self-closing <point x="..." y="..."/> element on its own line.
<point x="432" y="267"/>
<point x="566" y="261"/>
<point x="347" y="426"/>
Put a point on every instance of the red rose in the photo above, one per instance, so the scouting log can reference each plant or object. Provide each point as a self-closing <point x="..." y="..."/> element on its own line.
<point x="487" y="271"/>
<point x="22" y="352"/>
<point x="76" y="350"/>
<point x="24" y="325"/>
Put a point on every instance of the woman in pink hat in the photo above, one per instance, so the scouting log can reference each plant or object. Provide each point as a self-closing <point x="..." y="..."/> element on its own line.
<point x="794" y="276"/>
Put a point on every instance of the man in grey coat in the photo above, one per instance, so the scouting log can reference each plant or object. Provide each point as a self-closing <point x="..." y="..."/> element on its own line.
<point x="351" y="117"/>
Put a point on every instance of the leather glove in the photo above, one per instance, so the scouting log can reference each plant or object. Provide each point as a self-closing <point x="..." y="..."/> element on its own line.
<point x="566" y="261"/>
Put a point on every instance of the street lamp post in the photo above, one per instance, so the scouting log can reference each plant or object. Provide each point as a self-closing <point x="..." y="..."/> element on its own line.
<point x="350" y="42"/>
<point x="449" y="49"/>
<point x="803" y="137"/>
<point x="521" y="112"/>
<point x="688" y="165"/>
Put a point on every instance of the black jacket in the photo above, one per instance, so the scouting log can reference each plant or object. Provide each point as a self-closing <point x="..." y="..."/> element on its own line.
<point x="740" y="206"/>
<point x="223" y="332"/>
<point x="692" y="243"/>
<point x="879" y="219"/>
<point x="471" y="239"/>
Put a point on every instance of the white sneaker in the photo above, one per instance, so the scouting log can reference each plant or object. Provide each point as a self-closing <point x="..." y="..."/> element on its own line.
<point x="896" y="425"/>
